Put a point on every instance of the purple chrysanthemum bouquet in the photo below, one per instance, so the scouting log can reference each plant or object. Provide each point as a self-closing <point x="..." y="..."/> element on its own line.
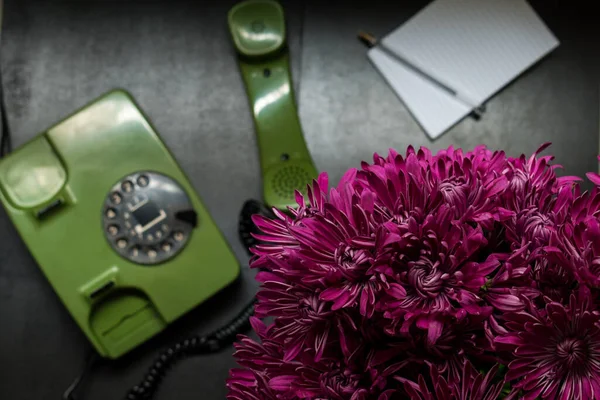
<point x="448" y="276"/>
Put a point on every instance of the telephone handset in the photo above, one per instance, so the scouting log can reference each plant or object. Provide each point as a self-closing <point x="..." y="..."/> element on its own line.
<point x="257" y="28"/>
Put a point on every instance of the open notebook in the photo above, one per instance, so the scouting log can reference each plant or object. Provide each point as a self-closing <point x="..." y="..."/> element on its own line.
<point x="474" y="46"/>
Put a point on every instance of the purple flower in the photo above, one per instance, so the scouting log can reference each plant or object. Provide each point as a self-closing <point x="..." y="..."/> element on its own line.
<point x="471" y="386"/>
<point x="459" y="341"/>
<point x="533" y="181"/>
<point x="594" y="177"/>
<point x="329" y="380"/>
<point x="443" y="279"/>
<point x="470" y="183"/>
<point x="244" y="384"/>
<point x="505" y="290"/>
<point x="303" y="321"/>
<point x="418" y="271"/>
<point x="554" y="281"/>
<point x="555" y="350"/>
<point x="270" y="376"/>
<point x="262" y="362"/>
<point x="576" y="251"/>
<point x="582" y="253"/>
<point x="531" y="226"/>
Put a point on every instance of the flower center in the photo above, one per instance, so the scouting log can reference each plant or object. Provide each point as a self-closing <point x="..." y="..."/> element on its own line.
<point x="454" y="191"/>
<point x="538" y="227"/>
<point x="573" y="352"/>
<point x="518" y="183"/>
<point x="340" y="382"/>
<point x="553" y="280"/>
<point x="426" y="278"/>
<point x="311" y="310"/>
<point x="304" y="212"/>
<point x="353" y="262"/>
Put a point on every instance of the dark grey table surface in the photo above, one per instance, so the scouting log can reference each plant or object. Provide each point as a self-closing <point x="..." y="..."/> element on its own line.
<point x="176" y="59"/>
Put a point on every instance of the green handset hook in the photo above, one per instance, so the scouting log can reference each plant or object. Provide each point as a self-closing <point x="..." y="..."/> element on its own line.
<point x="258" y="31"/>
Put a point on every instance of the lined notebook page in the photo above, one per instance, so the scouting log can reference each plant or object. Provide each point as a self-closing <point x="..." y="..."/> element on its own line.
<point x="474" y="46"/>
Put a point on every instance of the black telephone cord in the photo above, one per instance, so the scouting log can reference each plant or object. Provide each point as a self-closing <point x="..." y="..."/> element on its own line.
<point x="215" y="341"/>
<point x="195" y="345"/>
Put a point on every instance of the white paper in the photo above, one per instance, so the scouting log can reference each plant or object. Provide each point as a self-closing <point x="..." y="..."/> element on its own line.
<point x="474" y="46"/>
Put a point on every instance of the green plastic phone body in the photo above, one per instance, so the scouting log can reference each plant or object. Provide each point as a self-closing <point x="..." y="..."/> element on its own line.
<point x="257" y="28"/>
<point x="56" y="188"/>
